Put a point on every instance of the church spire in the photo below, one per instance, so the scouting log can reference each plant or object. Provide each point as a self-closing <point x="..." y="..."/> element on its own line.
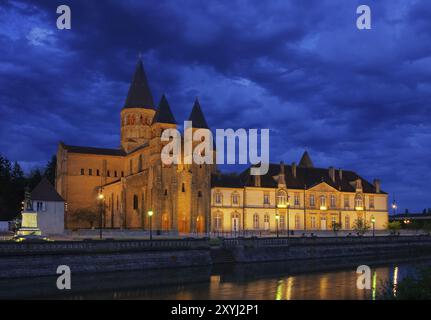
<point x="197" y="116"/>
<point x="139" y="95"/>
<point x="164" y="113"/>
<point x="305" y="161"/>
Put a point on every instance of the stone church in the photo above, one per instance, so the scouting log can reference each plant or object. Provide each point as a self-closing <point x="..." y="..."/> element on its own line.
<point x="127" y="182"/>
<point x="122" y="185"/>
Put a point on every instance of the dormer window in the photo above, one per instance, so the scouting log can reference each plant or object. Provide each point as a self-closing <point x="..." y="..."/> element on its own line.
<point x="282" y="199"/>
<point x="323" y="203"/>
<point x="359" y="204"/>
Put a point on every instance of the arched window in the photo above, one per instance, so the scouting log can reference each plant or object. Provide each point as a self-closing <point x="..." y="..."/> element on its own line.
<point x="135" y="202"/>
<point x="282" y="198"/>
<point x="199" y="194"/>
<point x="323" y="201"/>
<point x="266" y="222"/>
<point x="218" y="226"/>
<point x="358" y="202"/>
<point x="256" y="221"/>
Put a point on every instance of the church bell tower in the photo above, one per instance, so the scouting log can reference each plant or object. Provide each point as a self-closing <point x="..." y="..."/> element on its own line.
<point x="138" y="112"/>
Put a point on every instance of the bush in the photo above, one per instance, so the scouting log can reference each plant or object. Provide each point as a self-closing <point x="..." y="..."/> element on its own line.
<point x="394" y="226"/>
<point x="416" y="287"/>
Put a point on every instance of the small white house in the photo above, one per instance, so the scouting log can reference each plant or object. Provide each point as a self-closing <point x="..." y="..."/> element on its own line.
<point x="49" y="206"/>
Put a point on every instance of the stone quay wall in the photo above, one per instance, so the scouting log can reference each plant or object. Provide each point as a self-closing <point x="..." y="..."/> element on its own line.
<point x="32" y="259"/>
<point x="285" y="249"/>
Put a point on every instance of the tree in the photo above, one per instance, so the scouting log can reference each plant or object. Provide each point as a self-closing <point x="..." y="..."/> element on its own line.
<point x="86" y="216"/>
<point x="361" y="226"/>
<point x="50" y="169"/>
<point x="336" y="226"/>
<point x="393" y="227"/>
<point x="34" y="178"/>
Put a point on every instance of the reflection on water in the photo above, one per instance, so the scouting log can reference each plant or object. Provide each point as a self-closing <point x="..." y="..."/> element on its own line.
<point x="269" y="281"/>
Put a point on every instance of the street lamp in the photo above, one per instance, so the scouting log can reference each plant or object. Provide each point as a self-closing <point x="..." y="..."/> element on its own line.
<point x="373" y="221"/>
<point x="150" y="214"/>
<point x="277" y="218"/>
<point x="394" y="208"/>
<point x="101" y="197"/>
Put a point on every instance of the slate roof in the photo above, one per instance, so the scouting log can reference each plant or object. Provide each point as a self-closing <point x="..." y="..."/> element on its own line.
<point x="308" y="177"/>
<point x="92" y="150"/>
<point x="197" y="116"/>
<point x="139" y="95"/>
<point x="164" y="113"/>
<point x="44" y="191"/>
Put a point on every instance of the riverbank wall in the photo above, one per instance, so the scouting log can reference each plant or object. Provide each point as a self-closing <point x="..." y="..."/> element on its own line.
<point x="29" y="259"/>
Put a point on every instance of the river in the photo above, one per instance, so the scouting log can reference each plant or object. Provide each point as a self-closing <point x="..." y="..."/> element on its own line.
<point x="269" y="281"/>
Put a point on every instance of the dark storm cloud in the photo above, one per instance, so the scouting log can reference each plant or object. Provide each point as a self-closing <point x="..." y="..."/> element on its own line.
<point x="354" y="99"/>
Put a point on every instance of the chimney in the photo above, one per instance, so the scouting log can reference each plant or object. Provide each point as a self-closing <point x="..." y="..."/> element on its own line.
<point x="294" y="169"/>
<point x="358" y="186"/>
<point x="340" y="174"/>
<point x="256" y="180"/>
<point x="281" y="176"/>
<point x="376" y="183"/>
<point x="332" y="173"/>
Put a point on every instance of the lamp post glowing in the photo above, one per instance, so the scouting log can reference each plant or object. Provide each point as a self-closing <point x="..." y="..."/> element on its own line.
<point x="277" y="218"/>
<point x="101" y="197"/>
<point x="150" y="214"/>
<point x="373" y="221"/>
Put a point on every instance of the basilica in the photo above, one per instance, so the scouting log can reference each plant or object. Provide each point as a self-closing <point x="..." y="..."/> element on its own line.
<point x="122" y="185"/>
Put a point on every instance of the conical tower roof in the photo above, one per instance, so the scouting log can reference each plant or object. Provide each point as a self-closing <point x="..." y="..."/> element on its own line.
<point x="197" y="116"/>
<point x="139" y="95"/>
<point x="164" y="113"/>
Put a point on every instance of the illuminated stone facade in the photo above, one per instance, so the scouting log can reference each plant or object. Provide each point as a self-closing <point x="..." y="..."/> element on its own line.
<point x="194" y="198"/>
<point x="260" y="204"/>
<point x="133" y="179"/>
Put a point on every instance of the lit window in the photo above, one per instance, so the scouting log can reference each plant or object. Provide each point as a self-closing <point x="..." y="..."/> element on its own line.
<point x="346" y="201"/>
<point x="282" y="198"/>
<point x="371" y="202"/>
<point x="333" y="201"/>
<point x="313" y="222"/>
<point x="235" y="198"/>
<point x="358" y="202"/>
<point x="282" y="222"/>
<point x="218" y="222"/>
<point x="312" y="200"/>
<point x="347" y="223"/>
<point x="218" y="198"/>
<point x="297" y="222"/>
<point x="322" y="203"/>
<point x="297" y="199"/>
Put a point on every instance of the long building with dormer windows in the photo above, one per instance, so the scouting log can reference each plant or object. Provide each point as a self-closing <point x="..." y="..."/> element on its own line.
<point x="296" y="197"/>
